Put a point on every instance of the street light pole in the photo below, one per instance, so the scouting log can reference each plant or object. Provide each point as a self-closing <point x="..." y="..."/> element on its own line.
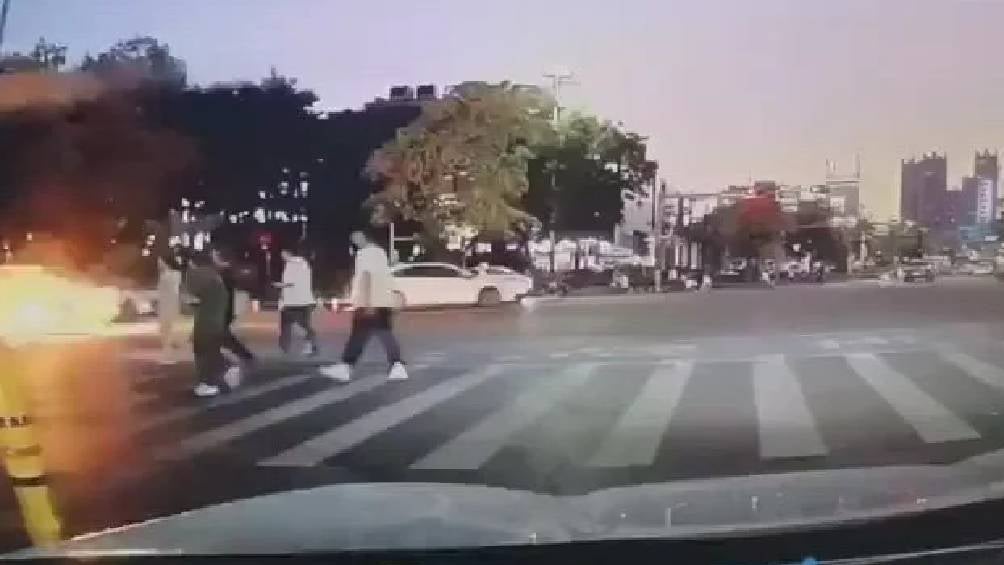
<point x="558" y="79"/>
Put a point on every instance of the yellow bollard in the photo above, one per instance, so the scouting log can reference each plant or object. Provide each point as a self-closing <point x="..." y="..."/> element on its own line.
<point x="23" y="459"/>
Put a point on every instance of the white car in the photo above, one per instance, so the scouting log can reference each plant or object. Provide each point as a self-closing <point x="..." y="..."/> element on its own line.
<point x="511" y="284"/>
<point x="982" y="268"/>
<point x="436" y="284"/>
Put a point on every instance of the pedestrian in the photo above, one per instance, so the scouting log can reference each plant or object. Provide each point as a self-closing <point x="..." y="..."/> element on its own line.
<point x="296" y="302"/>
<point x="373" y="298"/>
<point x="207" y="288"/>
<point x="168" y="305"/>
<point x="224" y="264"/>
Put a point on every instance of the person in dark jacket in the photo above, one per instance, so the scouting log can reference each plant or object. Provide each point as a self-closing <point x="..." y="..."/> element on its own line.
<point x="209" y="329"/>
<point x="224" y="264"/>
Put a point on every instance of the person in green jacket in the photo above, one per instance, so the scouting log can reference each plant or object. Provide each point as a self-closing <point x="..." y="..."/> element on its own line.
<point x="209" y="330"/>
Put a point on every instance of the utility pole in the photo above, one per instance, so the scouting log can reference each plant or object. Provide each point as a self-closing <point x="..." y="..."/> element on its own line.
<point x="3" y="21"/>
<point x="558" y="79"/>
<point x="657" y="239"/>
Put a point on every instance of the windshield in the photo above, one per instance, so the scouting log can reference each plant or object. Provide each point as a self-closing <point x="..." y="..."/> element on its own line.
<point x="495" y="272"/>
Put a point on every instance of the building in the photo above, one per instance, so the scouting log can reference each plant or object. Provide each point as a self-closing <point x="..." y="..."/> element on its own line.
<point x="960" y="203"/>
<point x="986" y="166"/>
<point x="680" y="211"/>
<point x="923" y="190"/>
<point x="844" y="190"/>
<point x="733" y="194"/>
<point x="406" y="96"/>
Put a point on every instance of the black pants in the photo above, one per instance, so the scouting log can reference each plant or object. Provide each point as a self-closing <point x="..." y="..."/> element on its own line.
<point x="234" y="345"/>
<point x="209" y="361"/>
<point x="299" y="315"/>
<point x="364" y="326"/>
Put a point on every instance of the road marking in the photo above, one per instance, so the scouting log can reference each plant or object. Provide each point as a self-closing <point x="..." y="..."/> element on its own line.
<point x="786" y="425"/>
<point x="345" y="437"/>
<point x="872" y="340"/>
<point x="829" y="344"/>
<point x="980" y="370"/>
<point x="637" y="436"/>
<point x="510" y="358"/>
<point x="932" y="421"/>
<point x="471" y="449"/>
<point x="242" y="394"/>
<point x="670" y="349"/>
<point x="214" y="437"/>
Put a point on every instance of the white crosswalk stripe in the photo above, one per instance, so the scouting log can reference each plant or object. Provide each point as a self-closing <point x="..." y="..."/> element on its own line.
<point x="471" y="449"/>
<point x="242" y="394"/>
<point x="979" y="370"/>
<point x="218" y="436"/>
<point x="778" y="408"/>
<point x="933" y="422"/>
<point x="786" y="426"/>
<point x="636" y="437"/>
<point x="342" y="438"/>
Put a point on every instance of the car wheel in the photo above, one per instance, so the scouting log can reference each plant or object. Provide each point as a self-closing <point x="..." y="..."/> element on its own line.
<point x="489" y="297"/>
<point x="399" y="301"/>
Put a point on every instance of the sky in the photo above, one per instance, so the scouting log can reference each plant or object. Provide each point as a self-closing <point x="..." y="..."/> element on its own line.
<point x="725" y="90"/>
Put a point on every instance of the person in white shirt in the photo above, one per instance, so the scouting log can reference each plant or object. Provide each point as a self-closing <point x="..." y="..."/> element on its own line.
<point x="372" y="296"/>
<point x="169" y="305"/>
<point x="296" y="303"/>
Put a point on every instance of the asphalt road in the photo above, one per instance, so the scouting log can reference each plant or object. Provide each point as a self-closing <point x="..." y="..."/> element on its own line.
<point x="558" y="396"/>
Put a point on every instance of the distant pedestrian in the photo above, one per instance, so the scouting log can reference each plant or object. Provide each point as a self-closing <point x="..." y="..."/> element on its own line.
<point x="373" y="299"/>
<point x="224" y="264"/>
<point x="208" y="332"/>
<point x="169" y="277"/>
<point x="296" y="303"/>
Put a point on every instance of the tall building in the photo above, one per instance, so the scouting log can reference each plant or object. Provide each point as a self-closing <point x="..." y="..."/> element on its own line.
<point x="923" y="190"/>
<point x="844" y="189"/>
<point x="987" y="167"/>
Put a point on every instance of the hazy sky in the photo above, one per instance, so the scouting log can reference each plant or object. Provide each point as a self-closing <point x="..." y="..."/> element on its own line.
<point x="725" y="89"/>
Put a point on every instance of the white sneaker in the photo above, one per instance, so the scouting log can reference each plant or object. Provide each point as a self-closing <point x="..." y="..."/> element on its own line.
<point x="339" y="372"/>
<point x="397" y="373"/>
<point x="233" y="377"/>
<point x="204" y="390"/>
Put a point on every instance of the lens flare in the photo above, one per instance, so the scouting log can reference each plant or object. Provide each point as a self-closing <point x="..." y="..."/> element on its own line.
<point x="37" y="305"/>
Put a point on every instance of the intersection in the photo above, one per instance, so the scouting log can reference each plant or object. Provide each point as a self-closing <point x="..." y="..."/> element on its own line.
<point x="557" y="397"/>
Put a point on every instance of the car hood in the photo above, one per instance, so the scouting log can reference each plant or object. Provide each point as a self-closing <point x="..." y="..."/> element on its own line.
<point x="370" y="516"/>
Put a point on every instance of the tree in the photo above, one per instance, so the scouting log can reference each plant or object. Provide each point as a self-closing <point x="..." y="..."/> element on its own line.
<point x="812" y="231"/>
<point x="144" y="58"/>
<point x="463" y="162"/>
<point x="576" y="183"/>
<point x="752" y="228"/>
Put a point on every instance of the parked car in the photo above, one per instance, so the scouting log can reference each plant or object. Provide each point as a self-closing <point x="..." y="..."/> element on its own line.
<point x="511" y="284"/>
<point x="917" y="271"/>
<point x="976" y="268"/>
<point x="436" y="284"/>
<point x="983" y="268"/>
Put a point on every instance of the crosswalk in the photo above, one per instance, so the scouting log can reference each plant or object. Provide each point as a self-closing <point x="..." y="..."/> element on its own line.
<point x="470" y="418"/>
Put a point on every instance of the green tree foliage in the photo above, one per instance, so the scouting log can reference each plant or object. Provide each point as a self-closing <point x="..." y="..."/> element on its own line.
<point x="142" y="58"/>
<point x="577" y="182"/>
<point x="463" y="161"/>
<point x="812" y="231"/>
